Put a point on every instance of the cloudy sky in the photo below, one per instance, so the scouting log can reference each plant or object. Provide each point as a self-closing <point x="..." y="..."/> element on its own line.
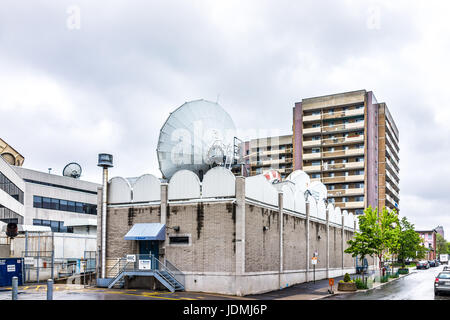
<point x="78" y="78"/>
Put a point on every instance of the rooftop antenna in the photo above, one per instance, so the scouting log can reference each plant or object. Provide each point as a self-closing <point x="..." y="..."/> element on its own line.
<point x="49" y="170"/>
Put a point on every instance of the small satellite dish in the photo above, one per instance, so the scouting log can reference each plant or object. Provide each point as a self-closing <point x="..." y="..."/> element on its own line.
<point x="318" y="190"/>
<point x="72" y="170"/>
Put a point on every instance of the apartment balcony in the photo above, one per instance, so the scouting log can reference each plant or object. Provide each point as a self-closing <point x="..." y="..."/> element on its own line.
<point x="392" y="191"/>
<point x="393" y="154"/>
<point x="310" y="118"/>
<point x="349" y="205"/>
<point x="274" y="152"/>
<point x="276" y="161"/>
<point x="312" y="143"/>
<point x="346" y="192"/>
<point x="343" y="153"/>
<point x="342" y="141"/>
<point x="343" y="179"/>
<point x="312" y="156"/>
<point x="343" y="114"/>
<point x="343" y="127"/>
<point x="392" y="180"/>
<point x="392" y="170"/>
<point x="391" y="144"/>
<point x="310" y="169"/>
<point x="392" y="137"/>
<point x="392" y="202"/>
<point x="343" y="166"/>
<point x="394" y="163"/>
<point x="311" y="131"/>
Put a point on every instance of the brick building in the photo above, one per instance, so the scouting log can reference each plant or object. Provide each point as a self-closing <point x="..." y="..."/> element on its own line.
<point x="225" y="234"/>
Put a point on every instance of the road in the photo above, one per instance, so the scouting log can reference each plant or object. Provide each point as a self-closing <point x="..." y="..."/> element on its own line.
<point x="417" y="286"/>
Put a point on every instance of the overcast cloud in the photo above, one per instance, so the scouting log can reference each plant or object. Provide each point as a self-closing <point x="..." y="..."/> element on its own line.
<point x="67" y="94"/>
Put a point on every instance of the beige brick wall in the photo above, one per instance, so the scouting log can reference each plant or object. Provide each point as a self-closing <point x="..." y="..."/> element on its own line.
<point x="211" y="227"/>
<point x="119" y="222"/>
<point x="316" y="244"/>
<point x="261" y="247"/>
<point x="294" y="243"/>
<point x="349" y="261"/>
<point x="335" y="247"/>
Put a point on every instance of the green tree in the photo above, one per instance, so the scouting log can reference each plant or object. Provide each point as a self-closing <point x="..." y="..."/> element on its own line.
<point x="409" y="242"/>
<point x="441" y="245"/>
<point x="365" y="240"/>
<point x="387" y="233"/>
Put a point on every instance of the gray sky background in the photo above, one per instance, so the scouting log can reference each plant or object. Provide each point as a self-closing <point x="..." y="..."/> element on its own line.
<point x="68" y="93"/>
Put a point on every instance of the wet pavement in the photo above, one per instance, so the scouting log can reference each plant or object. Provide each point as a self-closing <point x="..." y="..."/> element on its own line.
<point x="417" y="286"/>
<point x="78" y="292"/>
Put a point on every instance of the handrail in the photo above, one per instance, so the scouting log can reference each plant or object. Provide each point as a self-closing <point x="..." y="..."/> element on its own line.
<point x="166" y="269"/>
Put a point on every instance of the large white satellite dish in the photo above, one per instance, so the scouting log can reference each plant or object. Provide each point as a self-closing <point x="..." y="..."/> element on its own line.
<point x="301" y="180"/>
<point x="196" y="136"/>
<point x="318" y="190"/>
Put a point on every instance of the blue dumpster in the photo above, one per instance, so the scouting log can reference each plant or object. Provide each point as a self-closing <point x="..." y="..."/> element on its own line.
<point x="9" y="268"/>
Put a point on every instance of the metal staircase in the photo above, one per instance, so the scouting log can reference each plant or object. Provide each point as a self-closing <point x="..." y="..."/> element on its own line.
<point x="147" y="265"/>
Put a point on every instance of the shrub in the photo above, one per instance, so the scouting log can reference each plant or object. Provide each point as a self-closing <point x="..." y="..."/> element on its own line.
<point x="403" y="271"/>
<point x="384" y="279"/>
<point x="347" y="278"/>
<point x="360" y="284"/>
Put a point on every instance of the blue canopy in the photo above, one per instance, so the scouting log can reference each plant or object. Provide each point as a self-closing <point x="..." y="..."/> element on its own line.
<point x="147" y="231"/>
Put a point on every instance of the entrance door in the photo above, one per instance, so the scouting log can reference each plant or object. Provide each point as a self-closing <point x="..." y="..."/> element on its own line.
<point x="148" y="247"/>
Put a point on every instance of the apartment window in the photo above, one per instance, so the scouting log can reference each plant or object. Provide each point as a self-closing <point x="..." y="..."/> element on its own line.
<point x="331" y="187"/>
<point x="359" y="119"/>
<point x="344" y="160"/>
<point x="345" y="147"/>
<point x="46" y="203"/>
<point x="315" y="175"/>
<point x="315" y="150"/>
<point x="359" y="172"/>
<point x="344" y="199"/>
<point x="316" y="125"/>
<point x="346" y="173"/>
<point x="332" y="200"/>
<point x="345" y="186"/>
<point x="332" y="175"/>
<point x="315" y="163"/>
<point x="258" y="170"/>
<point x="359" y="199"/>
<point x="332" y="161"/>
<point x="359" y="107"/>
<point x="360" y="146"/>
<point x="315" y="138"/>
<point x="331" y="111"/>
<point x="315" y="113"/>
<point x="331" y="149"/>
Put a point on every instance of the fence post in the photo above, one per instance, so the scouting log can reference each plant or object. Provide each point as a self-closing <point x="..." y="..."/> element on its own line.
<point x="15" y="282"/>
<point x="49" y="289"/>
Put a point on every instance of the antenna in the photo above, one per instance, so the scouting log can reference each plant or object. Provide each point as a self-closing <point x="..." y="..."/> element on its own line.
<point x="49" y="170"/>
<point x="72" y="170"/>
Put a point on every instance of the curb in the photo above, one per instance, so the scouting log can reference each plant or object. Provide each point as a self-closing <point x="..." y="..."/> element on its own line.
<point x="365" y="290"/>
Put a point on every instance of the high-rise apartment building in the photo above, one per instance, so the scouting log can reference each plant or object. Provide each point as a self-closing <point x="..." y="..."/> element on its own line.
<point x="269" y="153"/>
<point x="349" y="142"/>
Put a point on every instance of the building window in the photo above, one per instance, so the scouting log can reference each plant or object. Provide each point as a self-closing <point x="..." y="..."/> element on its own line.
<point x="56" y="226"/>
<point x="344" y="199"/>
<point x="315" y="150"/>
<point x="64" y="205"/>
<point x="179" y="240"/>
<point x="315" y="175"/>
<point x="359" y="199"/>
<point x="316" y="125"/>
<point x="10" y="188"/>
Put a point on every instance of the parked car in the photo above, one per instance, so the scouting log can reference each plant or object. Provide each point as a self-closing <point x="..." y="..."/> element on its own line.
<point x="432" y="263"/>
<point x="422" y="264"/>
<point x="442" y="283"/>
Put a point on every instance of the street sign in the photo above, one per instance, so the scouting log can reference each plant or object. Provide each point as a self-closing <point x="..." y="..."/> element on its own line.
<point x="131" y="258"/>
<point x="314" y="260"/>
<point x="28" y="260"/>
<point x="145" y="265"/>
<point x="331" y="282"/>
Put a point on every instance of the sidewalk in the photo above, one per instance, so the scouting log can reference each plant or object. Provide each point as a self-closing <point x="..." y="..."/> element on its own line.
<point x="302" y="291"/>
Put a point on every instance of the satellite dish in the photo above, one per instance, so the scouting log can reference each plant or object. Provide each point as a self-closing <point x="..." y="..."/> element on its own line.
<point x="72" y="170"/>
<point x="197" y="136"/>
<point x="318" y="190"/>
<point x="272" y="175"/>
<point x="301" y="180"/>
